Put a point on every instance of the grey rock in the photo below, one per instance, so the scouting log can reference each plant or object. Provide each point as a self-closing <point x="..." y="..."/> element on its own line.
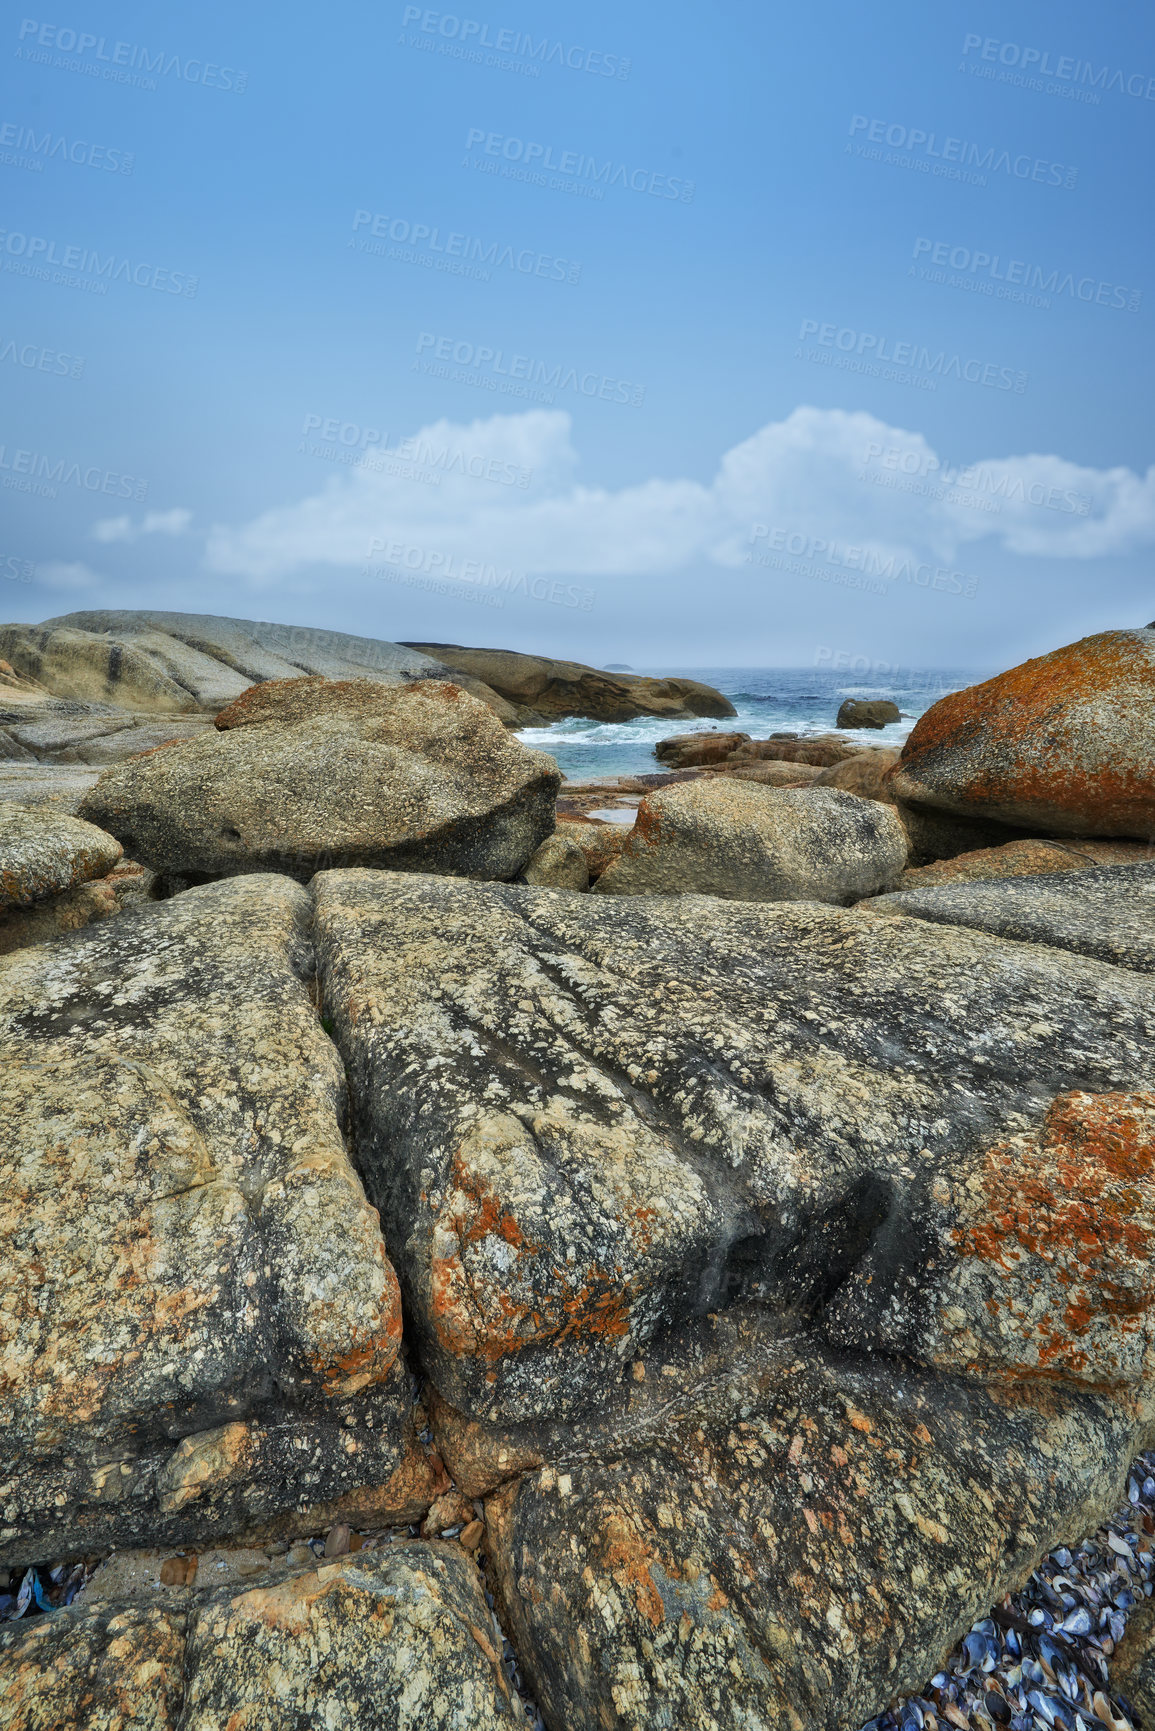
<point x="45" y="852"/>
<point x="414" y="777"/>
<point x="583" y="1120"/>
<point x="196" y="1287"/>
<point x="751" y="843"/>
<point x="66" y="730"/>
<point x="1107" y="912"/>
<point x="61" y="788"/>
<point x="148" y="659"/>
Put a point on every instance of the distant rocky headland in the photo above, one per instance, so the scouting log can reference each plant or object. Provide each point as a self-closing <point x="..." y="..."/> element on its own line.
<point x="482" y="1250"/>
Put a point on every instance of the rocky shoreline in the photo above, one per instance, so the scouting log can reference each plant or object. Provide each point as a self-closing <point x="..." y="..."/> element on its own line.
<point x="485" y="1250"/>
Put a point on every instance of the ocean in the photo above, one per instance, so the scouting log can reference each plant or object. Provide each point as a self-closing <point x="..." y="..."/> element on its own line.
<point x="768" y="700"/>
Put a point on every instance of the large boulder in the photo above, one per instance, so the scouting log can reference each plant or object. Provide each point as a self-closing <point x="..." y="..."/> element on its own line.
<point x="544" y="689"/>
<point x="1063" y="744"/>
<point x="414" y="777"/>
<point x="868" y="712"/>
<point x="683" y="1197"/>
<point x="750" y="843"/>
<point x="147" y="659"/>
<point x="558" y="864"/>
<point x="201" y="1327"/>
<point x="384" y="1641"/>
<point x="863" y="774"/>
<point x="45" y="852"/>
<point x="1107" y="911"/>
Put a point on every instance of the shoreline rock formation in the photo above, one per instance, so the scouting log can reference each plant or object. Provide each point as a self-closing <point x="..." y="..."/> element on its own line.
<point x="745" y="1292"/>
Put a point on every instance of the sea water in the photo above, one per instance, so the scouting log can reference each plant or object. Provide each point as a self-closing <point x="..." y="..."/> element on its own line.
<point x="768" y="700"/>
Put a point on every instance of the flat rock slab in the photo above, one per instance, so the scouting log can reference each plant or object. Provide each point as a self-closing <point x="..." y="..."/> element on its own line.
<point x="584" y="1120"/>
<point x="1107" y="913"/>
<point x="384" y="1641"/>
<point x="768" y="1535"/>
<point x="154" y="660"/>
<point x="68" y="731"/>
<point x="43" y="853"/>
<point x="195" y="1285"/>
<point x="61" y="787"/>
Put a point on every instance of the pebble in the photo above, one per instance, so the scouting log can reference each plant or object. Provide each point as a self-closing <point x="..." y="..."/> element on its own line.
<point x="1041" y="1660"/>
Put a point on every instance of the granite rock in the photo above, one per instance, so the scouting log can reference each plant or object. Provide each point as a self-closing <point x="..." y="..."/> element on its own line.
<point x="43" y="853"/>
<point x="196" y="1286"/>
<point x="1107" y="912"/>
<point x="415" y="777"/>
<point x="1063" y="744"/>
<point x="749" y="843"/>
<point x="544" y="689"/>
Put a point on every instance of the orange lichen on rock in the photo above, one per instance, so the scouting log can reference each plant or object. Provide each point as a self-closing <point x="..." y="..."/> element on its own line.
<point x="1064" y="739"/>
<point x="1065" y="1233"/>
<point x="627" y="1558"/>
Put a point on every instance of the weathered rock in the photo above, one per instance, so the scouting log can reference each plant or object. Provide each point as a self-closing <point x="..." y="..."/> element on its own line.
<point x="1014" y="859"/>
<point x="1037" y="1258"/>
<point x="416" y="777"/>
<point x="1107" y="912"/>
<point x="56" y="916"/>
<point x="101" y="1668"/>
<point x="1064" y="743"/>
<point x="600" y="843"/>
<point x="585" y="1120"/>
<point x="1133" y="1664"/>
<point x="558" y="864"/>
<point x="546" y="689"/>
<point x="820" y="749"/>
<point x="727" y="838"/>
<point x="868" y="712"/>
<point x="65" y="730"/>
<point x="776" y="774"/>
<point x="861" y="774"/>
<point x="152" y="660"/>
<point x="935" y="835"/>
<point x="772" y="1535"/>
<point x="196" y="1285"/>
<point x="690" y="750"/>
<point x="60" y="789"/>
<point x="384" y="1641"/>
<point x="43" y="853"/>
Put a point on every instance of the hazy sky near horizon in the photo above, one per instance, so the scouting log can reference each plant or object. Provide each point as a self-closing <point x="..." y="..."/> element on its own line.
<point x="667" y="334"/>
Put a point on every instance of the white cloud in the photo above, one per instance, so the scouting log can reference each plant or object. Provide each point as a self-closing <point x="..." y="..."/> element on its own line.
<point x="173" y="522"/>
<point x="827" y="473"/>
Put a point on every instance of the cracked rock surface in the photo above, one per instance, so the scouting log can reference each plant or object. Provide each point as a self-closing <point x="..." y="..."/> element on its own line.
<point x="1107" y="912"/>
<point x="196" y="1286"/>
<point x="387" y="1641"/>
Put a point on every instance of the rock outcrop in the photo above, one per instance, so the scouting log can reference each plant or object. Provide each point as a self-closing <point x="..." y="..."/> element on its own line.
<point x="868" y="712"/>
<point x="558" y="864"/>
<point x="660" y="1179"/>
<point x="56" y="916"/>
<point x="1107" y="912"/>
<point x="149" y="660"/>
<point x="544" y="689"/>
<point x="385" y="1641"/>
<point x="749" y="843"/>
<point x="201" y="1325"/>
<point x="66" y="730"/>
<point x="45" y="852"/>
<point x="414" y="777"/>
<point x="1063" y="744"/>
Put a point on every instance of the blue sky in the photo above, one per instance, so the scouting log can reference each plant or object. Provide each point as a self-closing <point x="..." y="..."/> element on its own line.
<point x="825" y="328"/>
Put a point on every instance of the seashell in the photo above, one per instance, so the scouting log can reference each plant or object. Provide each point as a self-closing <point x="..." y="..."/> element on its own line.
<point x="1077" y="1623"/>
